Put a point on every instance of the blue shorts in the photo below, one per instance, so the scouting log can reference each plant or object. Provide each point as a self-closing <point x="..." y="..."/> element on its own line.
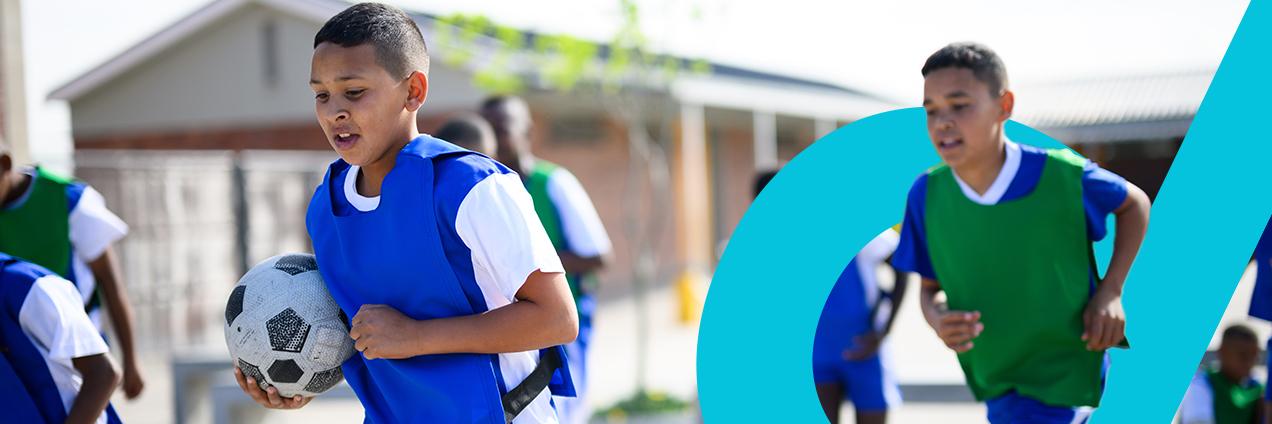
<point x="866" y="382"/>
<point x="1013" y="408"/>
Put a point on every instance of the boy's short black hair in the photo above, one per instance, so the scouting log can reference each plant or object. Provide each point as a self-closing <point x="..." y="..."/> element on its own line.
<point x="762" y="179"/>
<point x="981" y="60"/>
<point x="399" y="45"/>
<point x="1239" y="332"/>
<point x="466" y="130"/>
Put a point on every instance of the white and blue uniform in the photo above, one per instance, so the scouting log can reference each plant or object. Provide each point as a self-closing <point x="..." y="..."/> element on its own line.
<point x="584" y="235"/>
<point x="453" y="233"/>
<point x="43" y="327"/>
<point x="1102" y="193"/>
<point x="869" y="383"/>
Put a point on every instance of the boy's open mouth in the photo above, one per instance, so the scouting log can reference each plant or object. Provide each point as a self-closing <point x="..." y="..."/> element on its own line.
<point x="949" y="143"/>
<point x="345" y="140"/>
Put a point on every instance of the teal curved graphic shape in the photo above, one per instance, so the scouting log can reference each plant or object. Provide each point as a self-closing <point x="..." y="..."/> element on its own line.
<point x="786" y="253"/>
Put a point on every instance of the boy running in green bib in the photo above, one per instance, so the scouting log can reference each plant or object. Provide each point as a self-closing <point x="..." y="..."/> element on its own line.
<point x="1004" y="231"/>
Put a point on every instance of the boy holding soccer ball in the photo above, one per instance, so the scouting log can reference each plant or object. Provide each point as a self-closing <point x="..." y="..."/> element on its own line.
<point x="457" y="299"/>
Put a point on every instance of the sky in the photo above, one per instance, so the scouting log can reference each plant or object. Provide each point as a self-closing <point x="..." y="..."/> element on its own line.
<point x="876" y="46"/>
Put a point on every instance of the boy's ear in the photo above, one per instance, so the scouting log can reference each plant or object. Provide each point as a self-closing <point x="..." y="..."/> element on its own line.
<point x="417" y="90"/>
<point x="1008" y="102"/>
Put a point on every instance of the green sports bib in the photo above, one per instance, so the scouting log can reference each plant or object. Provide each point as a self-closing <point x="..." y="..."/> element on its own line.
<point x="1026" y="265"/>
<point x="39" y="230"/>
<point x="1234" y="403"/>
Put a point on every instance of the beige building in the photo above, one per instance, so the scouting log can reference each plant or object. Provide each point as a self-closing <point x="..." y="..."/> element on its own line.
<point x="203" y="137"/>
<point x="12" y="92"/>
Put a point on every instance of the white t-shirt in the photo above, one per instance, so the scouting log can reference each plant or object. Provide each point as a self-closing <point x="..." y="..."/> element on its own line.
<point x="580" y="224"/>
<point x="53" y="318"/>
<point x="497" y="222"/>
<point x="1198" y="406"/>
<point x="868" y="261"/>
<point x="1011" y="165"/>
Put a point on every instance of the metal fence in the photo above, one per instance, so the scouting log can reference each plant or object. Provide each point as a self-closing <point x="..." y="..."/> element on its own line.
<point x="197" y="218"/>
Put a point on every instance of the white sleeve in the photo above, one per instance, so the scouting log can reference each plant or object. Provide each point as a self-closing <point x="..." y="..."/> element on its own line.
<point x="496" y="220"/>
<point x="1198" y="404"/>
<point x="579" y="221"/>
<point x="880" y="247"/>
<point x="93" y="228"/>
<point x="53" y="316"/>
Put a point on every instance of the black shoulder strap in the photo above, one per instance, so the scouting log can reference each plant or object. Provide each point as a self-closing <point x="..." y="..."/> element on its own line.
<point x="519" y="397"/>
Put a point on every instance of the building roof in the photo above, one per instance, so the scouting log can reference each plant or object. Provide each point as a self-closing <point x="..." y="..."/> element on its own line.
<point x="1133" y="107"/>
<point x="319" y="11"/>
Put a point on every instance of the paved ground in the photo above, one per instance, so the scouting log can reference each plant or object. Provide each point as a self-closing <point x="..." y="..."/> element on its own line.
<point x="920" y="359"/>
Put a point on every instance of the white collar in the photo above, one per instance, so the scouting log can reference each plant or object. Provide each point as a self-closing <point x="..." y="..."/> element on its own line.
<point x="359" y="202"/>
<point x="996" y="190"/>
<point x="26" y="193"/>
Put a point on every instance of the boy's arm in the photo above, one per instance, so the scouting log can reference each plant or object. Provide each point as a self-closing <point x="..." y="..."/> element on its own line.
<point x="52" y="315"/>
<point x="868" y="343"/>
<point x="106" y="270"/>
<point x="1104" y="319"/>
<point x="955" y="328"/>
<point x="515" y="266"/>
<point x="100" y="378"/>
<point x="576" y="264"/>
<point x="544" y="315"/>
<point x="901" y="282"/>
<point x="581" y="224"/>
<point x="93" y="229"/>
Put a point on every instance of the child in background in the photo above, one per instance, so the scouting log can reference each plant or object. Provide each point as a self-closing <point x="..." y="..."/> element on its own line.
<point x="63" y="225"/>
<point x="1227" y="394"/>
<point x="54" y="365"/>
<point x="469" y="131"/>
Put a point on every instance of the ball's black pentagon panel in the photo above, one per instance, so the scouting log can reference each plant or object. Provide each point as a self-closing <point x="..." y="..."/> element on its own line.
<point x="235" y="306"/>
<point x="324" y="381"/>
<point x="296" y="264"/>
<point x="344" y="319"/>
<point x="252" y="371"/>
<point x="287" y="331"/>
<point x="285" y="371"/>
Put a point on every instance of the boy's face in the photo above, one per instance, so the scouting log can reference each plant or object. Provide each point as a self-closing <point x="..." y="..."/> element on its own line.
<point x="1237" y="357"/>
<point x="365" y="112"/>
<point x="964" y="119"/>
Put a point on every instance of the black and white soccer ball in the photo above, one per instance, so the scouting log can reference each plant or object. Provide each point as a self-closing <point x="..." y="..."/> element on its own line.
<point x="284" y="329"/>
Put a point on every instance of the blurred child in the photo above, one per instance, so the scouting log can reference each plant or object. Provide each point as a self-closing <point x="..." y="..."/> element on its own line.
<point x="469" y="131"/>
<point x="63" y="225"/>
<point x="572" y="224"/>
<point x="1227" y="394"/>
<point x="849" y="361"/>
<point x="54" y="365"/>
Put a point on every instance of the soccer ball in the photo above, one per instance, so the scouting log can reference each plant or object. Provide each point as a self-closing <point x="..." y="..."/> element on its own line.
<point x="284" y="329"/>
